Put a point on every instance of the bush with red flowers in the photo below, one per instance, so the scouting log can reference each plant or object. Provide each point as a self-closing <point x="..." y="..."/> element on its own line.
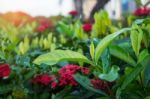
<point x="111" y="67"/>
<point x="4" y="70"/>
<point x="143" y="11"/>
<point x="87" y="27"/>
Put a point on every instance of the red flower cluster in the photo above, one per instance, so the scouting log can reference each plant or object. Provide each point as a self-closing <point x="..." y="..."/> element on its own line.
<point x="87" y="27"/>
<point x="44" y="24"/>
<point x="44" y="79"/>
<point x="73" y="13"/>
<point x="99" y="84"/>
<point x="4" y="70"/>
<point x="142" y="12"/>
<point x="66" y="74"/>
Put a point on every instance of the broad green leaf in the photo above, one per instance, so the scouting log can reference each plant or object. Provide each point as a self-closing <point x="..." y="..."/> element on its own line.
<point x="106" y="41"/>
<point x="102" y="22"/>
<point x="105" y="57"/>
<point x="131" y="76"/>
<point x="92" y="49"/>
<point x="135" y="72"/>
<point x="85" y="82"/>
<point x="121" y="54"/>
<point x="111" y="75"/>
<point x="146" y="70"/>
<point x="56" y="56"/>
<point x="136" y="38"/>
<point x="146" y="37"/>
<point x="118" y="93"/>
<point x="142" y="55"/>
<point x="63" y="28"/>
<point x="147" y="74"/>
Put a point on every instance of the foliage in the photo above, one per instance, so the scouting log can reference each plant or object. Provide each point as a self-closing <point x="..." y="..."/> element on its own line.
<point x="100" y="63"/>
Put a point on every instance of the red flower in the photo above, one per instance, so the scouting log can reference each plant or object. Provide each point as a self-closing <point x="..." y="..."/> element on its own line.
<point x="44" y="79"/>
<point x="54" y="84"/>
<point x="87" y="27"/>
<point x="66" y="74"/>
<point x="142" y="11"/>
<point x="99" y="84"/>
<point x="85" y="71"/>
<point x="73" y="13"/>
<point x="4" y="70"/>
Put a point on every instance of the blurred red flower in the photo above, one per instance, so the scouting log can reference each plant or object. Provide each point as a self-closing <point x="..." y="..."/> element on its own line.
<point x="87" y="27"/>
<point x="43" y="79"/>
<point x="4" y="70"/>
<point x="143" y="11"/>
<point x="73" y="13"/>
<point x="43" y="25"/>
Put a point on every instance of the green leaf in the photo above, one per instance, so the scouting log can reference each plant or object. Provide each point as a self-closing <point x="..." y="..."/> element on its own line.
<point x="136" y="38"/>
<point x="135" y="72"/>
<point x="106" y="41"/>
<point x="131" y="76"/>
<point x="92" y="49"/>
<point x="118" y="93"/>
<point x="6" y="88"/>
<point x="105" y="57"/>
<point x="56" y="56"/>
<point x="142" y="55"/>
<point x="85" y="82"/>
<point x="121" y="54"/>
<point x="63" y="93"/>
<point x="147" y="72"/>
<point x="2" y="55"/>
<point x="23" y="60"/>
<point x="111" y="75"/>
<point x="147" y="97"/>
<point x="63" y="28"/>
<point x="102" y="22"/>
<point x="147" y="75"/>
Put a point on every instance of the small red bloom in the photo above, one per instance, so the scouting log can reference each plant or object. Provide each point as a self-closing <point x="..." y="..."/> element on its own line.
<point x="54" y="84"/>
<point x="73" y="13"/>
<point x="99" y="84"/>
<point x="4" y="70"/>
<point x="142" y="11"/>
<point x="85" y="70"/>
<point x="41" y="28"/>
<point x="43" y="25"/>
<point x="66" y="75"/>
<point x="87" y="27"/>
<point x="44" y="79"/>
